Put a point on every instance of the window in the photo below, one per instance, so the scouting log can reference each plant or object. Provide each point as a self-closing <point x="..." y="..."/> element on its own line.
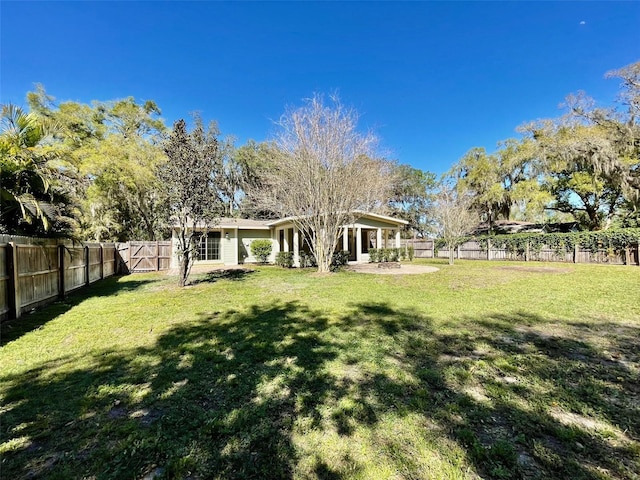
<point x="209" y="248"/>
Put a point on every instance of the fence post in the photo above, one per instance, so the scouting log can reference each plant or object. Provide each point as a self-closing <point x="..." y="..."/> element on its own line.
<point x="61" y="268"/>
<point x="526" y="252"/>
<point x="575" y="253"/>
<point x="86" y="265"/>
<point x="101" y="262"/>
<point x="157" y="256"/>
<point x="433" y="248"/>
<point x="627" y="255"/>
<point x="488" y="249"/>
<point x="14" y="280"/>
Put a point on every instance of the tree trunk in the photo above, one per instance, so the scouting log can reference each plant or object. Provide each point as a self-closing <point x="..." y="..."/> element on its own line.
<point x="323" y="260"/>
<point x="183" y="268"/>
<point x="324" y="266"/>
<point x="451" y="254"/>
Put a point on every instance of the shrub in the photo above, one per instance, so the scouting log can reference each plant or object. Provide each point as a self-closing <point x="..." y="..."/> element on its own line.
<point x="390" y="254"/>
<point x="410" y="252"/>
<point x="402" y="253"/>
<point x="307" y="260"/>
<point x="339" y="259"/>
<point x="261" y="249"/>
<point x="284" y="259"/>
<point x="374" y="255"/>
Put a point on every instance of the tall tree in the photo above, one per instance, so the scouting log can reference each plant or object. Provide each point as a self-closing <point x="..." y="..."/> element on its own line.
<point x="570" y="152"/>
<point x="502" y="184"/>
<point x="36" y="181"/>
<point x="412" y="197"/>
<point x="255" y="161"/>
<point x="231" y="182"/>
<point x="591" y="156"/>
<point x="116" y="145"/>
<point x="326" y="171"/>
<point x="189" y="179"/>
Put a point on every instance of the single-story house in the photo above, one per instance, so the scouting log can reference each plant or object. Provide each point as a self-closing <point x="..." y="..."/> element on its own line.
<point x="229" y="242"/>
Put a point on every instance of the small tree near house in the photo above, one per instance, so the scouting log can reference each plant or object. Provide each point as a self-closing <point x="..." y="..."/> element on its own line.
<point x="454" y="217"/>
<point x="261" y="249"/>
<point x="189" y="179"/>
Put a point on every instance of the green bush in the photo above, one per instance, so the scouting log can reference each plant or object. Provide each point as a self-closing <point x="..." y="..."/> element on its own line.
<point x="339" y="259"/>
<point x="284" y="259"/>
<point x="377" y="255"/>
<point x="613" y="240"/>
<point x="411" y="252"/>
<point x="261" y="249"/>
<point x="307" y="260"/>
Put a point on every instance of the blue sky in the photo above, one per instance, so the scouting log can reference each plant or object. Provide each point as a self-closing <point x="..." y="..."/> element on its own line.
<point x="433" y="79"/>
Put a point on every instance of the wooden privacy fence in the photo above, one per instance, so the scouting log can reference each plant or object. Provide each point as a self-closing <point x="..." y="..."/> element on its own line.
<point x="423" y="248"/>
<point x="472" y="250"/>
<point x="34" y="272"/>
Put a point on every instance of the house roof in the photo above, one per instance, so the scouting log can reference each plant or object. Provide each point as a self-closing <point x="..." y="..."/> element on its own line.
<point x="360" y="213"/>
<point x="243" y="223"/>
<point x="250" y="224"/>
<point x="231" y="223"/>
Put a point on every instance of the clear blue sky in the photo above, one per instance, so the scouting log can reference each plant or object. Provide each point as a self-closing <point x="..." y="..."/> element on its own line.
<point x="433" y="79"/>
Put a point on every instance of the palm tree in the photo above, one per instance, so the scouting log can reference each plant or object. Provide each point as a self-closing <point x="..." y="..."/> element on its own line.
<point x="34" y="185"/>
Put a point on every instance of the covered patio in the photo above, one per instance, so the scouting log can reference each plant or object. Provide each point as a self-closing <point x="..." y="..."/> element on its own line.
<point x="370" y="230"/>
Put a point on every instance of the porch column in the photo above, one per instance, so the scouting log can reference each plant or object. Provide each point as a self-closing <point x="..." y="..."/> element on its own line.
<point x="296" y="248"/>
<point x="236" y="241"/>
<point x="345" y="239"/>
<point x="276" y="244"/>
<point x="358" y="244"/>
<point x="397" y="238"/>
<point x="286" y="239"/>
<point x="379" y="238"/>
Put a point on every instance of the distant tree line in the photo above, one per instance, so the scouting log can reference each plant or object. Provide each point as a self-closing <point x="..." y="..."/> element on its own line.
<point x="99" y="172"/>
<point x="583" y="167"/>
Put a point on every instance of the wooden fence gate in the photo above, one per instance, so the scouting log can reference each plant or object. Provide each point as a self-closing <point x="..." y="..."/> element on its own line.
<point x="138" y="257"/>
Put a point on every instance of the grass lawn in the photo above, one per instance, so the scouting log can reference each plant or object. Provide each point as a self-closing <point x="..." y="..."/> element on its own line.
<point x="480" y="370"/>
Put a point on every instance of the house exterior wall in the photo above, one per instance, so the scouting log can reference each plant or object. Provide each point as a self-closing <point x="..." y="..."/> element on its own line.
<point x="229" y="247"/>
<point x="245" y="237"/>
<point x="237" y="248"/>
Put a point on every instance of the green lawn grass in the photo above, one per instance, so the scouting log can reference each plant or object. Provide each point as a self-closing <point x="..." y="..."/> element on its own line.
<point x="480" y="370"/>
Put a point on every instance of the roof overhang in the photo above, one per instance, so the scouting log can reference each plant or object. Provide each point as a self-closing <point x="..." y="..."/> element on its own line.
<point x="358" y="214"/>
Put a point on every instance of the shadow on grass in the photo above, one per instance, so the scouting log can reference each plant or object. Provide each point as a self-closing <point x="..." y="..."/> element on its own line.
<point x="233" y="394"/>
<point x="11" y="330"/>
<point x="233" y="274"/>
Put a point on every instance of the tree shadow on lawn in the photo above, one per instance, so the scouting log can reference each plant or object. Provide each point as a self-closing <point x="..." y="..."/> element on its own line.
<point x="233" y="274"/>
<point x="230" y="394"/>
<point x="11" y="330"/>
